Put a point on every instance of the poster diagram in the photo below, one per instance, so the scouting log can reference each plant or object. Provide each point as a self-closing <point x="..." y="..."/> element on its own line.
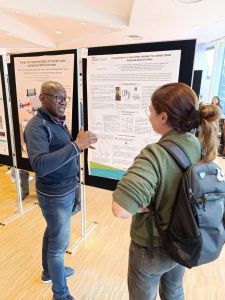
<point x="119" y="89"/>
<point x="3" y="132"/>
<point x="30" y="73"/>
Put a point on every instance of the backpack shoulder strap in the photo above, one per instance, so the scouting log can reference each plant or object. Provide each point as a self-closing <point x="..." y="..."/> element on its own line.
<point x="183" y="162"/>
<point x="177" y="153"/>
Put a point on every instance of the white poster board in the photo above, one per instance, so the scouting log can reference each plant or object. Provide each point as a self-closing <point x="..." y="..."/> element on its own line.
<point x="119" y="88"/>
<point x="30" y="73"/>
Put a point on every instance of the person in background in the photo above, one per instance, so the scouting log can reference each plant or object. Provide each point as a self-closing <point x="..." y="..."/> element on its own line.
<point x="174" y="111"/>
<point x="221" y="131"/>
<point x="216" y="101"/>
<point x="54" y="156"/>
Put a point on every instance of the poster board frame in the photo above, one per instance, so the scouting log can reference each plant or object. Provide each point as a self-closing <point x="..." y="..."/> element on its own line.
<point x="197" y="80"/>
<point x="187" y="48"/>
<point x="5" y="159"/>
<point x="23" y="163"/>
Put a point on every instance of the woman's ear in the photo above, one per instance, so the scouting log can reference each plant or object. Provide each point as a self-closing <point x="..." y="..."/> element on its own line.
<point x="164" y="117"/>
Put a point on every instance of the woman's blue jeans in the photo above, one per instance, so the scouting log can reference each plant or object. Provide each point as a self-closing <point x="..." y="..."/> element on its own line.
<point x="147" y="271"/>
<point x="57" y="213"/>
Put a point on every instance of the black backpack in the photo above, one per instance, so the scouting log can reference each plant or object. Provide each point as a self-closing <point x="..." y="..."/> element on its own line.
<point x="196" y="232"/>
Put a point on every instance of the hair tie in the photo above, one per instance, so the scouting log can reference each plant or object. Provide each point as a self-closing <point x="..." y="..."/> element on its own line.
<point x="195" y="116"/>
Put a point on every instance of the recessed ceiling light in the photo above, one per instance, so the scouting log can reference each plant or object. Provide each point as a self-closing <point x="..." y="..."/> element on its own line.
<point x="189" y="1"/>
<point x="132" y="37"/>
<point x="83" y="23"/>
<point x="58" y="31"/>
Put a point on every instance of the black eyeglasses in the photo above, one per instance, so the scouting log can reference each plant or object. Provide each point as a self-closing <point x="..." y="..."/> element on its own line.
<point x="59" y="98"/>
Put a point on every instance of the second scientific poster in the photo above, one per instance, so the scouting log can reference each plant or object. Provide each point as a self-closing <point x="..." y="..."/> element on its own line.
<point x="27" y="72"/>
<point x="30" y="73"/>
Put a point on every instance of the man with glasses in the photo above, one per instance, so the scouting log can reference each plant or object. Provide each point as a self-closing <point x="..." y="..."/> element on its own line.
<point x="54" y="156"/>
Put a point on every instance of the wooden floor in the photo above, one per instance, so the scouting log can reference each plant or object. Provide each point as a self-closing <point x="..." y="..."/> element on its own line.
<point x="8" y="196"/>
<point x="100" y="260"/>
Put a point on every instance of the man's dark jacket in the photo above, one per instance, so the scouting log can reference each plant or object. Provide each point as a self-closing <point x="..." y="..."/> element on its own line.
<point x="52" y="154"/>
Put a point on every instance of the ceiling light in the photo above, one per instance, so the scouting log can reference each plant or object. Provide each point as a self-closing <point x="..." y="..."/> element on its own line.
<point x="58" y="31"/>
<point x="18" y="11"/>
<point x="83" y="23"/>
<point x="132" y="37"/>
<point x="189" y="1"/>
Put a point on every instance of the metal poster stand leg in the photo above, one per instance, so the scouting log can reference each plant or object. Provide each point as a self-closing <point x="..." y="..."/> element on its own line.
<point x="84" y="231"/>
<point x="21" y="211"/>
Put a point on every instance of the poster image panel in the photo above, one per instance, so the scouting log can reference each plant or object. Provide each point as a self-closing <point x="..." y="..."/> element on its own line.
<point x="5" y="144"/>
<point x="28" y="74"/>
<point x="119" y="88"/>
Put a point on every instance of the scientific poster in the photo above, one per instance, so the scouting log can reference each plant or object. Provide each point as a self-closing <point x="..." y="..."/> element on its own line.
<point x="119" y="89"/>
<point x="30" y="73"/>
<point x="4" y="150"/>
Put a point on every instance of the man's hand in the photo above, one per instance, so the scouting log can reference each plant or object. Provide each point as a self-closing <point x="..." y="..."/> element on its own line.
<point x="84" y="139"/>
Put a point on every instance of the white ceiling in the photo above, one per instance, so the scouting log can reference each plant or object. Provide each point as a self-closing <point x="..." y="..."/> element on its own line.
<point x="31" y="25"/>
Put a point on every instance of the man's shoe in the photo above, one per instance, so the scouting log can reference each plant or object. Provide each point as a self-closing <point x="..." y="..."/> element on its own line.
<point x="45" y="278"/>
